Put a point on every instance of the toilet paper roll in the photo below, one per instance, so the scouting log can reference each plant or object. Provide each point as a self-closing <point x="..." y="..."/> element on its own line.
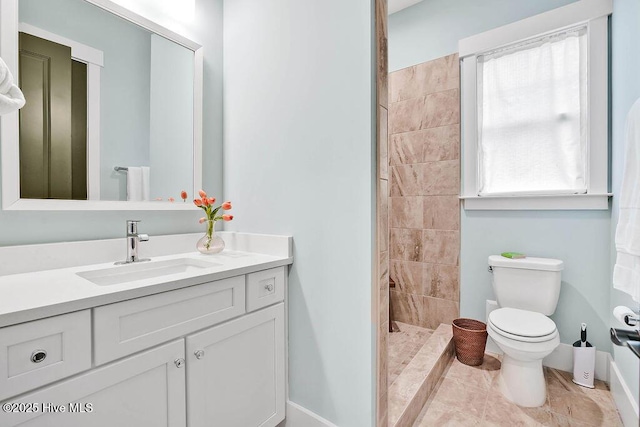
<point x="620" y="312"/>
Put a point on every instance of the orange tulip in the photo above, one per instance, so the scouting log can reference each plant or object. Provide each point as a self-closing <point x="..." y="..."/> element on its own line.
<point x="183" y="195"/>
<point x="202" y="220"/>
<point x="202" y="194"/>
<point x="226" y="205"/>
<point x="227" y="217"/>
<point x="197" y="202"/>
<point x="211" y="200"/>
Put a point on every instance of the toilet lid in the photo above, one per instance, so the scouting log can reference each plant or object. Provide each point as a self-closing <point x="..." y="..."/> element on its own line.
<point x="522" y="323"/>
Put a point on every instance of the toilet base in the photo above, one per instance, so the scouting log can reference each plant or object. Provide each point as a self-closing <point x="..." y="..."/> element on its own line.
<point x="522" y="382"/>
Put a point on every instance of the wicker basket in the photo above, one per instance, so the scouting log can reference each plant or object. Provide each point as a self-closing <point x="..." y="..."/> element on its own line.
<point x="469" y="339"/>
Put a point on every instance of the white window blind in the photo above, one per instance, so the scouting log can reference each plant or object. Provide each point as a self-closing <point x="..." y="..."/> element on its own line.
<point x="532" y="112"/>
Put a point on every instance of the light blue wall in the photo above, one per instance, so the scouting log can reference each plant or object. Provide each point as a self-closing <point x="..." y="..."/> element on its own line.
<point x="432" y="28"/>
<point x="124" y="80"/>
<point x="298" y="156"/>
<point x="625" y="68"/>
<point x="581" y="239"/>
<point x="35" y="227"/>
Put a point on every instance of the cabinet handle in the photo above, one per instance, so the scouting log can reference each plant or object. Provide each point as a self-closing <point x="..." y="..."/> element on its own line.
<point x="38" y="356"/>
<point x="199" y="354"/>
<point x="179" y="362"/>
<point x="269" y="287"/>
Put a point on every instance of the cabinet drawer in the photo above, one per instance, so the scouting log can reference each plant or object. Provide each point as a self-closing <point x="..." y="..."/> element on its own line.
<point x="130" y="326"/>
<point x="36" y="353"/>
<point x="265" y="288"/>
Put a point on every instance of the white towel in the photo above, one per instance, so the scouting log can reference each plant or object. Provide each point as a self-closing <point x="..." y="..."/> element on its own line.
<point x="145" y="184"/>
<point x="134" y="184"/>
<point x="626" y="272"/>
<point x="11" y="97"/>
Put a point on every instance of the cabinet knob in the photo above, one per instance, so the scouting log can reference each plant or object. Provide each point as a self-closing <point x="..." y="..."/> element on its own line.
<point x="38" y="356"/>
<point x="199" y="354"/>
<point x="179" y="362"/>
<point x="269" y="287"/>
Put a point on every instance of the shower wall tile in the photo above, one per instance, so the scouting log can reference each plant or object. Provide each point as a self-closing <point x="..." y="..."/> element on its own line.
<point x="406" y="148"/>
<point x="437" y="311"/>
<point x="441" y="212"/>
<point x="406" y="212"/>
<point x="383" y="143"/>
<point x="428" y="111"/>
<point x="428" y="145"/>
<point x="383" y="215"/>
<point x="429" y="77"/>
<point x="406" y="180"/>
<point x="382" y="57"/>
<point x="440" y="178"/>
<point x="424" y="157"/>
<point x="405" y="244"/>
<point x="383" y="284"/>
<point x="441" y="143"/>
<point x="408" y="308"/>
<point x="407" y="276"/>
<point x="441" y="246"/>
<point x="441" y="281"/>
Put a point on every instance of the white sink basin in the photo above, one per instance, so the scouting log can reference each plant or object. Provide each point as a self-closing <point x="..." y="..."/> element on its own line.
<point x="144" y="270"/>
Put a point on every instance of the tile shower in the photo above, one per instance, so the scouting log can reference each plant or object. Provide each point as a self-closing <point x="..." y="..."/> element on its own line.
<point x="424" y="229"/>
<point x="424" y="153"/>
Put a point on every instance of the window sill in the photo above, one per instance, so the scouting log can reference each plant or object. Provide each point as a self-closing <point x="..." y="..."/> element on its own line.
<point x="551" y="202"/>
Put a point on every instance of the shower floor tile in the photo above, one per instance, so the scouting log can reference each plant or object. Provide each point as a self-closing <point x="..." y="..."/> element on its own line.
<point x="403" y="346"/>
<point x="469" y="396"/>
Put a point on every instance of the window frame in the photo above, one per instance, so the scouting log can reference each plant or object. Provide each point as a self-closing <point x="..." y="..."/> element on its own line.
<point x="592" y="13"/>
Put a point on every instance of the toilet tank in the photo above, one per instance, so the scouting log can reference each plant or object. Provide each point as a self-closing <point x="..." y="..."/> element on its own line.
<point x="528" y="284"/>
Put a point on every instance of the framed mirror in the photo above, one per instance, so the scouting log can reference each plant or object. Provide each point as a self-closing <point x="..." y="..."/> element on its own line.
<point x="113" y="119"/>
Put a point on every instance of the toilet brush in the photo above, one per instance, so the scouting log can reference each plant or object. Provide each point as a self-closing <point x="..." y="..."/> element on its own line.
<point x="584" y="359"/>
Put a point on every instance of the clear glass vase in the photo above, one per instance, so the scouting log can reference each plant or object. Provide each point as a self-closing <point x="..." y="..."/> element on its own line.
<point x="210" y="243"/>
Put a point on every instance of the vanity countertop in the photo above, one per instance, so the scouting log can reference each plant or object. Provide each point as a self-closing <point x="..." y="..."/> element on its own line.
<point x="39" y="294"/>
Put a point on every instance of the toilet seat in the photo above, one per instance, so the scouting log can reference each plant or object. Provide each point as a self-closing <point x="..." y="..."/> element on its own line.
<point x="522" y="325"/>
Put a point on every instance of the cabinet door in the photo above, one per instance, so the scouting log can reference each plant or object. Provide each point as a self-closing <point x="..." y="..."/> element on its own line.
<point x="145" y="390"/>
<point x="236" y="372"/>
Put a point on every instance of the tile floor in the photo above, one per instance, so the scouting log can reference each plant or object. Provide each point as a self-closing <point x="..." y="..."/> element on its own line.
<point x="468" y="396"/>
<point x="403" y="346"/>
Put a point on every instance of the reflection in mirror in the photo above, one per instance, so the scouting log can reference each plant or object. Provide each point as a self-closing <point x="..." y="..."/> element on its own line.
<point x="102" y="93"/>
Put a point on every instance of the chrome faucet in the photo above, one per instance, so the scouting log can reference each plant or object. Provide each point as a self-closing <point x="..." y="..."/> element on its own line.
<point x="133" y="241"/>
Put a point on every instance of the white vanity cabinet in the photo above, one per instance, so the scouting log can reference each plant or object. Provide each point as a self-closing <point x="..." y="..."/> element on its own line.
<point x="235" y="372"/>
<point x="211" y="354"/>
<point x="147" y="389"/>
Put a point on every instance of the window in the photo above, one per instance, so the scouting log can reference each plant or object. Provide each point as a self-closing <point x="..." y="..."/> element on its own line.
<point x="535" y="112"/>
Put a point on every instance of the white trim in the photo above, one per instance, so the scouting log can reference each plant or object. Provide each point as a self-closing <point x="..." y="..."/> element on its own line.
<point x="94" y="59"/>
<point x="79" y="51"/>
<point x="297" y="416"/>
<point x="551" y="21"/>
<point x="9" y="122"/>
<point x="546" y="202"/>
<point x="595" y="14"/>
<point x="622" y="397"/>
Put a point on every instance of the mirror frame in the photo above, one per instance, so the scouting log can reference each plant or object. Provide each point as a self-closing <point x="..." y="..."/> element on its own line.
<point x="9" y="126"/>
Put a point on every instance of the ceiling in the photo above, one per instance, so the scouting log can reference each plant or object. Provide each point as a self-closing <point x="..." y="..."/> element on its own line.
<point x="396" y="5"/>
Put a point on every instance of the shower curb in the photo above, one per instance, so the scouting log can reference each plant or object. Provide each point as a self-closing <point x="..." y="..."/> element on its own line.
<point x="410" y="391"/>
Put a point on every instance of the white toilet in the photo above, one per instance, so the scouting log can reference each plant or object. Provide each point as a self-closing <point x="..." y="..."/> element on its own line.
<point x="527" y="291"/>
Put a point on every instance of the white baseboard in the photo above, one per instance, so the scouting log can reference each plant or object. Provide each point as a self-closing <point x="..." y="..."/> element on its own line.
<point x="297" y="416"/>
<point x="626" y="404"/>
<point x="562" y="359"/>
